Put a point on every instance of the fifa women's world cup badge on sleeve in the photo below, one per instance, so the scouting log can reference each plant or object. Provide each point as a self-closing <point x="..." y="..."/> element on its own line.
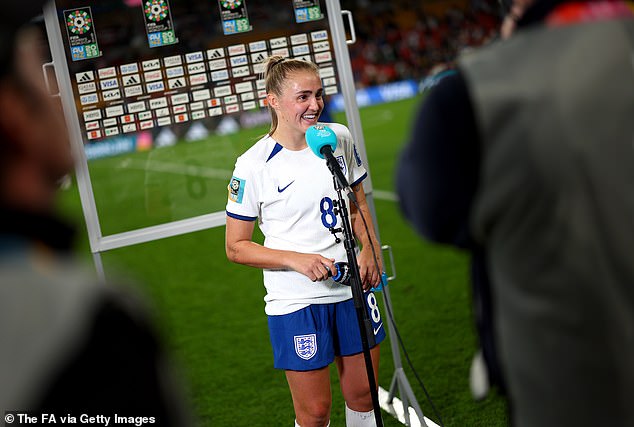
<point x="236" y="189"/>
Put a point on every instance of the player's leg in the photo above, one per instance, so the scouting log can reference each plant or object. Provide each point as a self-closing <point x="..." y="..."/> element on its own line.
<point x="351" y="362"/>
<point x="311" y="396"/>
<point x="356" y="389"/>
<point x="303" y="348"/>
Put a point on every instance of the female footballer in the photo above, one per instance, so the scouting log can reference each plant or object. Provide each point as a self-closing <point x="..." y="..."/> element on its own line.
<point x="289" y="190"/>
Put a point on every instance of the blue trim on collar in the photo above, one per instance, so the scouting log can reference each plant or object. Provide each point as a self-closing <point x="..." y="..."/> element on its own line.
<point x="241" y="217"/>
<point x="276" y="150"/>
<point x="365" y="175"/>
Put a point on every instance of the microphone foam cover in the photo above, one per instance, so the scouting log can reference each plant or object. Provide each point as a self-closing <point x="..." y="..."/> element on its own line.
<point x="318" y="136"/>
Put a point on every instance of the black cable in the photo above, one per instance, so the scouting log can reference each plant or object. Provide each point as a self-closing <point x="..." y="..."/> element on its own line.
<point x="389" y="312"/>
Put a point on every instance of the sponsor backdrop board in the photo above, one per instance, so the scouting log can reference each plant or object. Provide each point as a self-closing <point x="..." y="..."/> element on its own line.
<point x="149" y="78"/>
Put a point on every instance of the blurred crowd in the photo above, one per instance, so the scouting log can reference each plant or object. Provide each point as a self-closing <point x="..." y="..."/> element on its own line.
<point x="400" y="40"/>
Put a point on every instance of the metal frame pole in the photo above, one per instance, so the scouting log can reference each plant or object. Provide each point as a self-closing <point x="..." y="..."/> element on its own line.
<point x="347" y="85"/>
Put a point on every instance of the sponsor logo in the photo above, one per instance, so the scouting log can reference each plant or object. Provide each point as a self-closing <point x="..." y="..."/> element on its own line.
<point x="258" y="57"/>
<point x="117" y="110"/>
<point x="153" y="76"/>
<point x="130" y="68"/>
<point x="196" y="106"/>
<point x="92" y="115"/>
<point x="145" y="115"/>
<point x="197" y="115"/>
<point x="87" y="76"/>
<point x="175" y="72"/>
<point x="217" y="64"/>
<point x="176" y="83"/>
<point x="237" y="61"/>
<point x="326" y="72"/>
<point x="181" y="118"/>
<point x="241" y="72"/>
<point x="321" y="46"/>
<point x="331" y="90"/>
<point x="319" y="35"/>
<point x="278" y="42"/>
<point x="283" y="52"/>
<point x="237" y="49"/>
<point x="219" y="75"/>
<point x="248" y="96"/>
<point x="244" y="87"/>
<point x="153" y="64"/>
<point x="231" y="99"/>
<point x="301" y="50"/>
<point x="110" y="122"/>
<point x="155" y="87"/>
<point x="198" y="79"/>
<point x="164" y="121"/>
<point x="158" y="103"/>
<point x="257" y="46"/>
<point x="111" y="95"/>
<point x="222" y="91"/>
<point x="129" y="118"/>
<point x="129" y="128"/>
<point x="109" y="84"/>
<point x="234" y="108"/>
<point x="215" y="53"/>
<point x="179" y="109"/>
<point x="94" y="134"/>
<point x="182" y="98"/>
<point x="89" y="99"/>
<point x="162" y="112"/>
<point x="299" y="39"/>
<point x="200" y="95"/>
<point x="323" y="57"/>
<point x="133" y="91"/>
<point x="194" y="57"/>
<point x="281" y="190"/>
<point x="215" y="112"/>
<point x="86" y="87"/>
<point x="92" y="125"/>
<point x="112" y="131"/>
<point x="105" y="73"/>
<point x="249" y="105"/>
<point x="196" y="68"/>
<point x="134" y="79"/>
<point x="148" y="124"/>
<point x="172" y="61"/>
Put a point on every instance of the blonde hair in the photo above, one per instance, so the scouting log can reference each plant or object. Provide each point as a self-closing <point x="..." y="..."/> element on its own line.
<point x="277" y="69"/>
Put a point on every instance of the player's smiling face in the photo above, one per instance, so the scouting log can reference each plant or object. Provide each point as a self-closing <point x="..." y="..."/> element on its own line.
<point x="301" y="101"/>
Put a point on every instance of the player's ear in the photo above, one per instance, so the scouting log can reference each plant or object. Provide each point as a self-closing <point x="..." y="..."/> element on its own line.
<point x="272" y="100"/>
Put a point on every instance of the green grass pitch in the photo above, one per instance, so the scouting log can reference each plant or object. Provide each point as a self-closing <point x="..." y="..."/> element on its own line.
<point x="212" y="312"/>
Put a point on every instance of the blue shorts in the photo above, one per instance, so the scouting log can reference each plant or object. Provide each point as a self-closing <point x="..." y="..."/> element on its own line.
<point x="310" y="338"/>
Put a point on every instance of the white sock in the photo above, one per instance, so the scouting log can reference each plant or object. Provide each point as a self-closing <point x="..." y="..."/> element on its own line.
<point x="297" y="425"/>
<point x="360" y="419"/>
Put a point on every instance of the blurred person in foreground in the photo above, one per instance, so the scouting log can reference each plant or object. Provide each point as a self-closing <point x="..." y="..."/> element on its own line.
<point x="68" y="345"/>
<point x="525" y="158"/>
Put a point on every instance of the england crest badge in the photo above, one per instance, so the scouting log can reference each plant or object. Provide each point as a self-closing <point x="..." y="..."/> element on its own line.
<point x="306" y="346"/>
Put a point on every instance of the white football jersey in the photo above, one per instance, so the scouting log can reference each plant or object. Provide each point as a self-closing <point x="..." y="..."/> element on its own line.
<point x="291" y="195"/>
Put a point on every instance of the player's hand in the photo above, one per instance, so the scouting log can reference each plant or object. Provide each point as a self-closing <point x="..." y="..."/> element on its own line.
<point x="313" y="266"/>
<point x="370" y="276"/>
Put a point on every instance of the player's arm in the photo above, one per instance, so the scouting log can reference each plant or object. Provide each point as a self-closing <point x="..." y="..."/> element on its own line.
<point x="370" y="276"/>
<point x="241" y="249"/>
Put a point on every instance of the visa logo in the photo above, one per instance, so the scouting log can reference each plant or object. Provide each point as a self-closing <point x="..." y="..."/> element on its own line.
<point x="155" y="87"/>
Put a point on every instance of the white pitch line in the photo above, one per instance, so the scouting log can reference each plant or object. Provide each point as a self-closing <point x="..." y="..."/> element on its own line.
<point x="192" y="170"/>
<point x="175" y="168"/>
<point x="395" y="408"/>
<point x="390" y="196"/>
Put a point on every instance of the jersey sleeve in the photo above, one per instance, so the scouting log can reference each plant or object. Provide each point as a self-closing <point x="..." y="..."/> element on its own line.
<point x="242" y="200"/>
<point x="356" y="170"/>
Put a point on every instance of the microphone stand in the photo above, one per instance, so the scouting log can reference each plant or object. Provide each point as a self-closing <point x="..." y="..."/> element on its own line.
<point x="365" y="327"/>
